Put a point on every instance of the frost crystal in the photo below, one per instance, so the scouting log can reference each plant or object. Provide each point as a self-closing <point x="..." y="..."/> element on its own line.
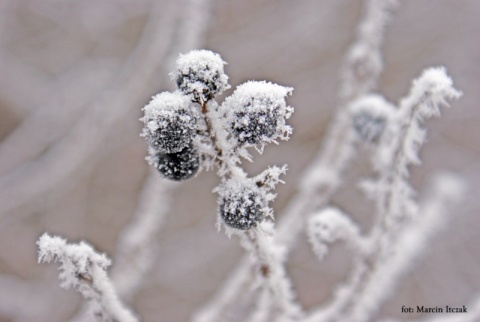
<point x="177" y="166"/>
<point x="242" y="205"/>
<point x="170" y="122"/>
<point x="200" y="75"/>
<point x="256" y="113"/>
<point x="370" y="117"/>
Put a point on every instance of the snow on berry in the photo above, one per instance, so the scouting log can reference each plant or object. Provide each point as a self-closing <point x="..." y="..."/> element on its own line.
<point x="242" y="205"/>
<point x="170" y="122"/>
<point x="256" y="113"/>
<point x="370" y="117"/>
<point x="200" y="75"/>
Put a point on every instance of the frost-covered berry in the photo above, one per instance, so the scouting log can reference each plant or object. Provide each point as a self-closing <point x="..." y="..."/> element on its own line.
<point x="256" y="113"/>
<point x="242" y="205"/>
<point x="177" y="166"/>
<point x="370" y="116"/>
<point x="170" y="122"/>
<point x="200" y="75"/>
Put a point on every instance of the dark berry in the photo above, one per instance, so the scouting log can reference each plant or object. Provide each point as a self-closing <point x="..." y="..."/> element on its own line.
<point x="200" y="75"/>
<point x="370" y="116"/>
<point x="174" y="133"/>
<point x="178" y="166"/>
<point x="242" y="205"/>
<point x="256" y="113"/>
<point x="254" y="127"/>
<point x="170" y="122"/>
<point x="369" y="128"/>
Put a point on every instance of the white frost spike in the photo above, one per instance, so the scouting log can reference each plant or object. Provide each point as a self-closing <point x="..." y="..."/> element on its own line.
<point x="328" y="226"/>
<point x="256" y="113"/>
<point x="200" y="74"/>
<point x="431" y="90"/>
<point x="371" y="115"/>
<point x="270" y="177"/>
<point x="83" y="268"/>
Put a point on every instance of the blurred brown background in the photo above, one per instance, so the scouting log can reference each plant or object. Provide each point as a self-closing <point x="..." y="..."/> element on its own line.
<point x="75" y="74"/>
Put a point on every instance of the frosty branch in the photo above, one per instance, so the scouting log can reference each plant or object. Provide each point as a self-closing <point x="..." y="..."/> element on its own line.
<point x="188" y="130"/>
<point x="85" y="270"/>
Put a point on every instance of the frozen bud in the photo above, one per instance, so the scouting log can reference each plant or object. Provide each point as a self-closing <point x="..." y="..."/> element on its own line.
<point x="200" y="75"/>
<point x="170" y="122"/>
<point x="242" y="205"/>
<point x="370" y="116"/>
<point x="177" y="166"/>
<point x="257" y="112"/>
<point x="328" y="226"/>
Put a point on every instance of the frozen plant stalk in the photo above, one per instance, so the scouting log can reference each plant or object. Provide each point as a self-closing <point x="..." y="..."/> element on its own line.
<point x="85" y="270"/>
<point x="188" y="130"/>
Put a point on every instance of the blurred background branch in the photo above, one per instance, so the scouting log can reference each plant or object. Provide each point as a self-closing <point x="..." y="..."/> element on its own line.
<point x="74" y="76"/>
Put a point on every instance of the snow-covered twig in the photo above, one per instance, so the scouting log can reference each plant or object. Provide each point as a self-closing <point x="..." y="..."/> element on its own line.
<point x="85" y="270"/>
<point x="188" y="130"/>
<point x="393" y="195"/>
<point x="406" y="249"/>
<point x="392" y="192"/>
<point x="371" y="284"/>
<point x="322" y="177"/>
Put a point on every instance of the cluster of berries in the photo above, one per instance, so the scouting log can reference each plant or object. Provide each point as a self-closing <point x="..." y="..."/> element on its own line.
<point x="187" y="130"/>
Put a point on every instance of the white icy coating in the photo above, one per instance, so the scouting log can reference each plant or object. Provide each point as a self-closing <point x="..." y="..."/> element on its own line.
<point x="429" y="91"/>
<point x="164" y="107"/>
<point x="242" y="205"/>
<point x="446" y="190"/>
<point x="165" y="103"/>
<point x="374" y="104"/>
<point x="82" y="268"/>
<point x="400" y="150"/>
<point x="256" y="113"/>
<point x="201" y="73"/>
